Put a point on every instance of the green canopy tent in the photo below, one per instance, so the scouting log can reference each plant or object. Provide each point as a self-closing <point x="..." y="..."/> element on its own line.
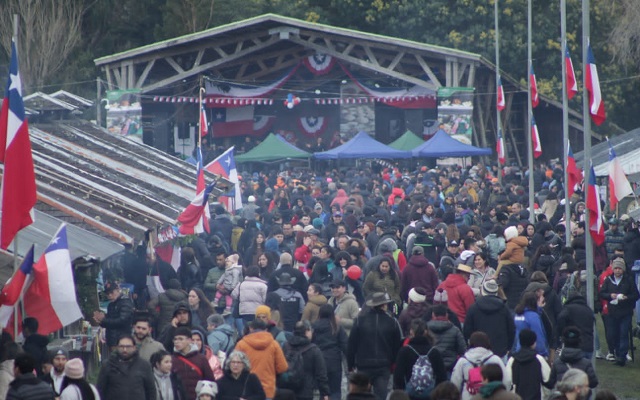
<point x="273" y="148"/>
<point x="407" y="142"/>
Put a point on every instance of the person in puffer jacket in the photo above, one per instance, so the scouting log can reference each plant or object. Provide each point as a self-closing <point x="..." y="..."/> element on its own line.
<point x="449" y="340"/>
<point x="572" y="357"/>
<point x="513" y="280"/>
<point x="459" y="293"/>
<point x="514" y="249"/>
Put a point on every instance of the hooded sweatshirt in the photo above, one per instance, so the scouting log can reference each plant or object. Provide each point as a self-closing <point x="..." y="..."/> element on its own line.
<point x="266" y="357"/>
<point x="529" y="372"/>
<point x="459" y="294"/>
<point x="476" y="356"/>
<point x="490" y="315"/>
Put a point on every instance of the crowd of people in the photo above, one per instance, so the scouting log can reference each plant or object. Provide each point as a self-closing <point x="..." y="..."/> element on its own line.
<point x="375" y="283"/>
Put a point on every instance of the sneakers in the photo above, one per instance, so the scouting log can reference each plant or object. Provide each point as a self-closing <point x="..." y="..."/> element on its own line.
<point x="599" y="355"/>
<point x="610" y="357"/>
<point x="629" y="357"/>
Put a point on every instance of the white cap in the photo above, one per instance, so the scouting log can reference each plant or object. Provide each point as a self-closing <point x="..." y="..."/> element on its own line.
<point x="251" y="199"/>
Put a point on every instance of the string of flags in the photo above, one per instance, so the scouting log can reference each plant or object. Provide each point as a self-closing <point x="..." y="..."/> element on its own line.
<point x="268" y="102"/>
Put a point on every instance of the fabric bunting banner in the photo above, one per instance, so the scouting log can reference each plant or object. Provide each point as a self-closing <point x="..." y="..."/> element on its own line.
<point x="319" y="64"/>
<point x="313" y="126"/>
<point x="262" y="124"/>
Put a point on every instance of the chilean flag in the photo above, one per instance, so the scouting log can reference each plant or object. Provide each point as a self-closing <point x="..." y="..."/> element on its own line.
<point x="574" y="174"/>
<point x="572" y="84"/>
<point x="193" y="217"/>
<point x="204" y="125"/>
<point x="12" y="290"/>
<point x="500" y="148"/>
<point x="535" y="100"/>
<point x="51" y="297"/>
<point x="18" y="191"/>
<point x="232" y="121"/>
<point x="592" y="82"/>
<point x="199" y="171"/>
<point x="619" y="186"/>
<point x="596" y="227"/>
<point x="535" y="139"/>
<point x="500" y="99"/>
<point x="225" y="165"/>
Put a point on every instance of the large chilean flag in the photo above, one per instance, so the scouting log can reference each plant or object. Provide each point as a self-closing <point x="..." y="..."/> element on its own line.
<point x="596" y="103"/>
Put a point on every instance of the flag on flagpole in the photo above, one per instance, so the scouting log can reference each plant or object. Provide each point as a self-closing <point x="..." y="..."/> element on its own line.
<point x="572" y="84"/>
<point x="51" y="297"/>
<point x="574" y="174"/>
<point x="193" y="219"/>
<point x="535" y="139"/>
<point x="204" y="125"/>
<point x="18" y="191"/>
<point x="535" y="99"/>
<point x="225" y="166"/>
<point x="200" y="183"/>
<point x="592" y="82"/>
<point x="500" y="99"/>
<point x="596" y="227"/>
<point x="619" y="186"/>
<point x="500" y="148"/>
<point x="12" y="290"/>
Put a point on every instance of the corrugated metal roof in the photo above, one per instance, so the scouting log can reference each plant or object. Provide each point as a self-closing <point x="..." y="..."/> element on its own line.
<point x="627" y="148"/>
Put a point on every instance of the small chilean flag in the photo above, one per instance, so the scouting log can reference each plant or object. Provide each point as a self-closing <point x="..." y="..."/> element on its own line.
<point x="572" y="84"/>
<point x="204" y="124"/>
<point x="596" y="227"/>
<point x="619" y="186"/>
<point x="535" y="100"/>
<point x="596" y="104"/>
<point x="12" y="290"/>
<point x="535" y="139"/>
<point x="574" y="174"/>
<point x="500" y="148"/>
<point x="500" y="100"/>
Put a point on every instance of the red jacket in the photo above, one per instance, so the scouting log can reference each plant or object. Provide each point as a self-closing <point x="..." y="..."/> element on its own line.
<point x="605" y="303"/>
<point x="459" y="294"/>
<point x="191" y="368"/>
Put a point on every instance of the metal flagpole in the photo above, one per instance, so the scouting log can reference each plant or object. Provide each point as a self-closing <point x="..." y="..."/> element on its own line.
<point x="532" y="215"/>
<point x="587" y="152"/>
<point x="498" y="121"/>
<point x="565" y="117"/>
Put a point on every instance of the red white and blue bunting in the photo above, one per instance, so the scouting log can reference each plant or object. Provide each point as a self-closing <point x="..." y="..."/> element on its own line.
<point x="313" y="126"/>
<point x="319" y="64"/>
<point x="219" y="101"/>
<point x="262" y="124"/>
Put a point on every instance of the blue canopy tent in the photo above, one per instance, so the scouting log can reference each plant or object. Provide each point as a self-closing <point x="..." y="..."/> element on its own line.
<point x="443" y="145"/>
<point x="362" y="146"/>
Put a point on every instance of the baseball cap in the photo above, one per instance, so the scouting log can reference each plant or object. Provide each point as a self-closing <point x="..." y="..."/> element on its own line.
<point x="452" y="243"/>
<point x="337" y="214"/>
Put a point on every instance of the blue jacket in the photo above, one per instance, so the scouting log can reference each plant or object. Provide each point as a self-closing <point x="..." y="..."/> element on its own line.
<point x="532" y="320"/>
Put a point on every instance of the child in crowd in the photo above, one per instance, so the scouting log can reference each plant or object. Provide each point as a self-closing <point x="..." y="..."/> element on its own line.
<point x="228" y="281"/>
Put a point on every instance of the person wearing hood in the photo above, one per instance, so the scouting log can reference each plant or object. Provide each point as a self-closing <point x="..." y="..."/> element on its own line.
<point x="316" y="300"/>
<point x="238" y="382"/>
<point x="189" y="364"/>
<point x="529" y="370"/>
<point x="492" y="386"/>
<point x="164" y="306"/>
<point x="420" y="344"/>
<point x="265" y="355"/>
<point x="314" y="368"/>
<point x="479" y="354"/>
<point x="459" y="293"/>
<point x="199" y="339"/>
<point x="490" y="314"/>
<point x="386" y="248"/>
<point x="513" y="279"/>
<point x="385" y="279"/>
<point x="572" y="357"/>
<point x="331" y="339"/>
<point x="264" y="313"/>
<point x="340" y="199"/>
<point x="181" y="317"/>
<point x="449" y="340"/>
<point x="417" y="308"/>
<point x="419" y="272"/>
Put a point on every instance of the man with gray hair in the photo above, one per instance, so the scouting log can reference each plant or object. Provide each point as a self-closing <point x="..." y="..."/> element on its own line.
<point x="574" y="385"/>
<point x="221" y="335"/>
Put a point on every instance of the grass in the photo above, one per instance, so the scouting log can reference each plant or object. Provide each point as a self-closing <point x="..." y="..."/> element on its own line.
<point x="623" y="381"/>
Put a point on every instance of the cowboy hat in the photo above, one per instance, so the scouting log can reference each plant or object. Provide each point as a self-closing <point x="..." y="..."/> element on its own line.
<point x="378" y="299"/>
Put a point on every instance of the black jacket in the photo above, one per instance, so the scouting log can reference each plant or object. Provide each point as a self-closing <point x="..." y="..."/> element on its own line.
<point x="627" y="287"/>
<point x="333" y="346"/>
<point x="513" y="279"/>
<point x="374" y="341"/>
<point x="130" y="380"/>
<point x="247" y="386"/>
<point x="490" y="314"/>
<point x="631" y="246"/>
<point x="572" y="358"/>
<point x="36" y="346"/>
<point x="577" y="313"/>
<point x="300" y="285"/>
<point x="407" y="357"/>
<point x="28" y="387"/>
<point x="526" y="374"/>
<point x="315" y="370"/>
<point x="118" y="319"/>
<point x="449" y="341"/>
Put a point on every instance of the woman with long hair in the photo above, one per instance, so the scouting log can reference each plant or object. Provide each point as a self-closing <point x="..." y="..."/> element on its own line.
<point x="383" y="278"/>
<point x="167" y="383"/>
<point x="527" y="316"/>
<point x="481" y="272"/>
<point x="267" y="264"/>
<point x="200" y="307"/>
<point x="255" y="250"/>
<point x="74" y="385"/>
<point x="543" y="261"/>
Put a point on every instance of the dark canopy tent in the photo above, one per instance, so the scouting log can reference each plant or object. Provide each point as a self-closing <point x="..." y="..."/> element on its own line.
<point x="443" y="145"/>
<point x="407" y="142"/>
<point x="273" y="148"/>
<point x="362" y="146"/>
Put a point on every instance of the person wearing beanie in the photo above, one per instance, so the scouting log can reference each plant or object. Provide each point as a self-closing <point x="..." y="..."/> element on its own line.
<point x="490" y="314"/>
<point x="514" y="248"/>
<point x="264" y="313"/>
<point x="417" y="308"/>
<point x="572" y="357"/>
<point x="74" y="385"/>
<point x="58" y="357"/>
<point x="620" y="293"/>
<point x="300" y="284"/>
<point x="529" y="370"/>
<point x="206" y="390"/>
<point x="250" y="209"/>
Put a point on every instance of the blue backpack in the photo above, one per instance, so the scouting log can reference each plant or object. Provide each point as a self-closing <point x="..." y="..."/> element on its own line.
<point x="422" y="380"/>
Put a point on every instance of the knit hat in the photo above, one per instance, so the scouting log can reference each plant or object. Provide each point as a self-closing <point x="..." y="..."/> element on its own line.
<point x="264" y="310"/>
<point x="58" y="351"/>
<point x="440" y="296"/>
<point x="489" y="288"/>
<point x="618" y="263"/>
<point x="510" y="233"/>
<point x="527" y="338"/>
<point x="317" y="223"/>
<point x="74" y="368"/>
<point x="206" y="387"/>
<point x="417" y="250"/>
<point x="418" y="295"/>
<point x="285" y="259"/>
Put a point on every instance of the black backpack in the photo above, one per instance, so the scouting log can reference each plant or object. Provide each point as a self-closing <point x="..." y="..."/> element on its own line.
<point x="293" y="378"/>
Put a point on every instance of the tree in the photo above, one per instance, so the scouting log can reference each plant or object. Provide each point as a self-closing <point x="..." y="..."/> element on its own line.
<point x="48" y="33"/>
<point x="625" y="36"/>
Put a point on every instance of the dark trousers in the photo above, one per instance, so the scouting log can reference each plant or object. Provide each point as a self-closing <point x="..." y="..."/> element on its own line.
<point x="379" y="381"/>
<point x="607" y="334"/>
<point x="334" y="375"/>
<point x="618" y="329"/>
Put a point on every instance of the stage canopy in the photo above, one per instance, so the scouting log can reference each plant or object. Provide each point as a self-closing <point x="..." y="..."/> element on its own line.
<point x="443" y="145"/>
<point x="362" y="146"/>
<point x="407" y="142"/>
<point x="272" y="148"/>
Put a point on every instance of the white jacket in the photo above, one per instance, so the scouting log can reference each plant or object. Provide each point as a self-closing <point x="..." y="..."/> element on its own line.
<point x="72" y="392"/>
<point x="253" y="293"/>
<point x="460" y="374"/>
<point x="6" y="377"/>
